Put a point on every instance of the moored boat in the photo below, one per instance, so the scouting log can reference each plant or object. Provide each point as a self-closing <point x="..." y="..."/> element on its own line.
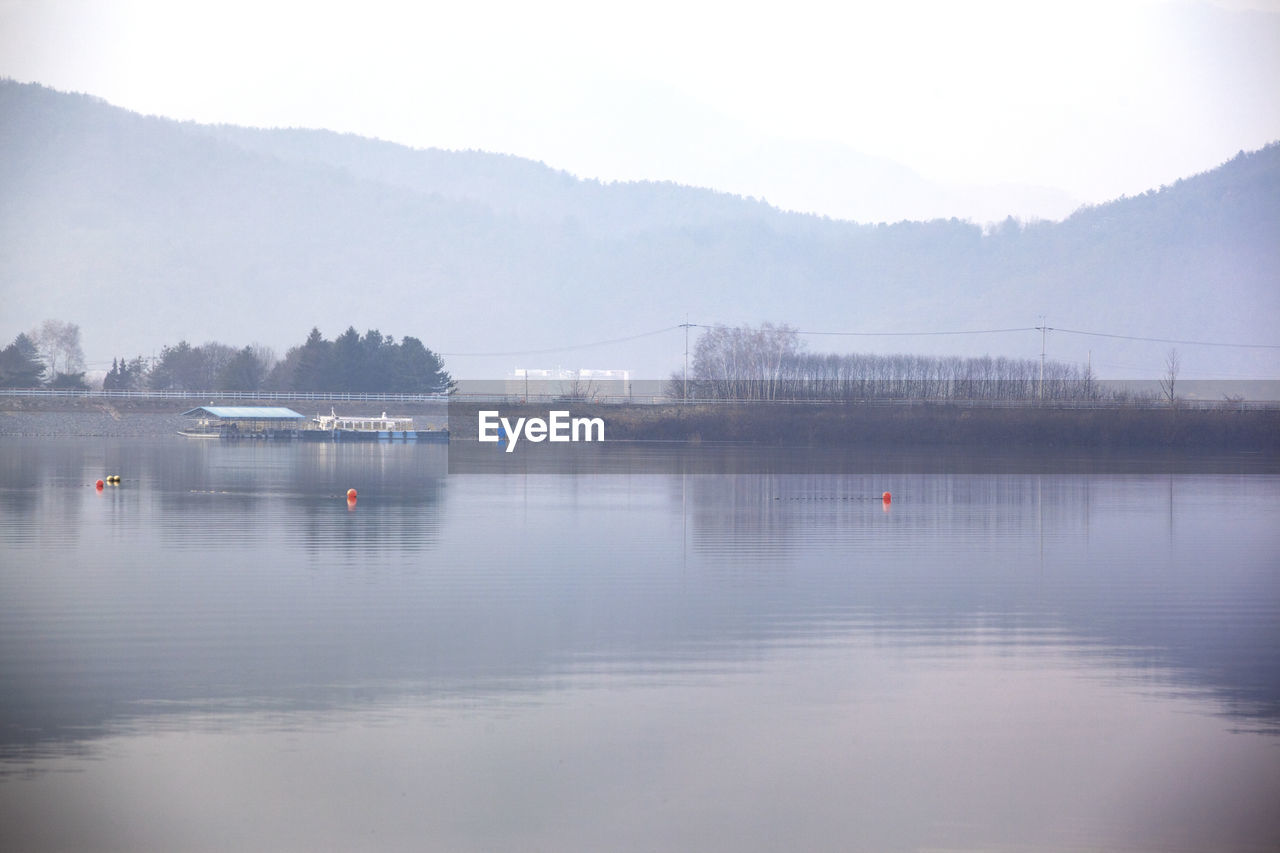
<point x="197" y="432"/>
<point x="268" y="422"/>
<point x="369" y="428"/>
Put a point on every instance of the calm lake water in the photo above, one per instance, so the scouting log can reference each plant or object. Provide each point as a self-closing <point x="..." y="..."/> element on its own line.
<point x="686" y="648"/>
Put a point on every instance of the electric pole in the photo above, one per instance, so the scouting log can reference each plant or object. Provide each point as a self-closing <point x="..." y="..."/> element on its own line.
<point x="1043" y="330"/>
<point x="685" y="392"/>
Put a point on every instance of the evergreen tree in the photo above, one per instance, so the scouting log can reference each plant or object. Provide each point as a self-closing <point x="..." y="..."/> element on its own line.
<point x="70" y="382"/>
<point x="176" y="370"/>
<point x="244" y="372"/>
<point x="348" y="355"/>
<point x="20" y="364"/>
<point x="377" y="361"/>
<point x="111" y="382"/>
<point x="125" y="375"/>
<point x="352" y="363"/>
<point x="418" y="370"/>
<point x="313" y="364"/>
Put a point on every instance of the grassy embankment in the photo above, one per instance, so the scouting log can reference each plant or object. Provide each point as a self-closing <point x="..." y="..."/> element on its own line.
<point x="939" y="425"/>
<point x="1118" y="428"/>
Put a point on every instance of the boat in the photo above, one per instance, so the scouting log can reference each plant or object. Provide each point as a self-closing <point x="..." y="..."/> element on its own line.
<point x="270" y="422"/>
<point x="368" y="428"/>
<point x="200" y="432"/>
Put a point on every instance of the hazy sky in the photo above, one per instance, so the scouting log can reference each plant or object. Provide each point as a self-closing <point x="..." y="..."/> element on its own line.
<point x="1092" y="98"/>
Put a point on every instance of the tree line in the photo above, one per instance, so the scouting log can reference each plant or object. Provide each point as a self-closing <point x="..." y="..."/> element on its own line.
<point x="351" y="363"/>
<point x="770" y="363"/>
<point x="48" y="356"/>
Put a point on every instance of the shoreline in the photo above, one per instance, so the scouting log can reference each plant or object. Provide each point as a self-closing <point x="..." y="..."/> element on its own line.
<point x="40" y="416"/>
<point x="916" y="425"/>
<point x="774" y="424"/>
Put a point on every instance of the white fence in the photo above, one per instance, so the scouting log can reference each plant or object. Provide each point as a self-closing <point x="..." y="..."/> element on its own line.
<point x="225" y="395"/>
<point x="663" y="400"/>
<point x="630" y="399"/>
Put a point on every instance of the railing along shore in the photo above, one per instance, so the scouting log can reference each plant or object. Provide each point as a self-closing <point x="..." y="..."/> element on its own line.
<point x="222" y="395"/>
<point x="636" y="399"/>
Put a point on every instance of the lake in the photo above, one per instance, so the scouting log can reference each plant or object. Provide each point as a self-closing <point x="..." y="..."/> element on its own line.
<point x="657" y="647"/>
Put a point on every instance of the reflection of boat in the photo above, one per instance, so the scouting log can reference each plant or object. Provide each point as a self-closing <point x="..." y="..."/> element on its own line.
<point x="369" y="428"/>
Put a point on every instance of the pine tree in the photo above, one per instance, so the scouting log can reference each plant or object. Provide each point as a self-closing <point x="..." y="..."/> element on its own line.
<point x="20" y="364"/>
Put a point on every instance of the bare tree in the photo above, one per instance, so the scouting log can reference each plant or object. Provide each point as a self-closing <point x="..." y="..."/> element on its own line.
<point x="770" y="363"/>
<point x="1170" y="378"/>
<point x="744" y="363"/>
<point x="265" y="355"/>
<point x="1232" y="402"/>
<point x="59" y="345"/>
<point x="577" y="389"/>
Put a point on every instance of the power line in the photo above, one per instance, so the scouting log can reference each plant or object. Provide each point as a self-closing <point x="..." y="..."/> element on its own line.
<point x="922" y="334"/>
<point x="1165" y="340"/>
<point x="892" y="334"/>
<point x="941" y="332"/>
<point x="1040" y="328"/>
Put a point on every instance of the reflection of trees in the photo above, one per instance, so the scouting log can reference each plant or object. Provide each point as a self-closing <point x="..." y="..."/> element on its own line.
<point x="22" y="468"/>
<point x="1084" y="552"/>
<point x="45" y="482"/>
<point x="767" y="512"/>
<point x="250" y="581"/>
<point x="194" y="584"/>
<point x="267" y="491"/>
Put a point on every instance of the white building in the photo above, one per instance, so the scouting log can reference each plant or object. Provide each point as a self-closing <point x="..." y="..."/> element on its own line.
<point x="581" y="383"/>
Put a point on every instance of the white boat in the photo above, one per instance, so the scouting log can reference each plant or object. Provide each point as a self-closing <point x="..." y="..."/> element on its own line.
<point x="198" y="432"/>
<point x="367" y="428"/>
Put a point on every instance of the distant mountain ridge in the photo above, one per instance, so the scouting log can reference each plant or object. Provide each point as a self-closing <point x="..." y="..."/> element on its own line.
<point x="876" y="190"/>
<point x="503" y="183"/>
<point x="145" y="231"/>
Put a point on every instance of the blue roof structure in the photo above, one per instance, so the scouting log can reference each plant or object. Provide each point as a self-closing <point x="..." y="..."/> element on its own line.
<point x="256" y="413"/>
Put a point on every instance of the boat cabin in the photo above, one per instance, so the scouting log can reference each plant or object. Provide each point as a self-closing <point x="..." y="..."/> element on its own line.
<point x="364" y="423"/>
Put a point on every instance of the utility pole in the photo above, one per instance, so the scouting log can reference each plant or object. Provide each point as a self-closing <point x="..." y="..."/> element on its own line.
<point x="685" y="325"/>
<point x="1043" y="329"/>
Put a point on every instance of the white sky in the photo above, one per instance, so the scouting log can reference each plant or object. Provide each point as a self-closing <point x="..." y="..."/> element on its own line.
<point x="1094" y="98"/>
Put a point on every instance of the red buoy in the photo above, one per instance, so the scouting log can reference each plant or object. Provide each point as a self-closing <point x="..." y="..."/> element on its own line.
<point x="887" y="497"/>
<point x="351" y="494"/>
<point x="98" y="485"/>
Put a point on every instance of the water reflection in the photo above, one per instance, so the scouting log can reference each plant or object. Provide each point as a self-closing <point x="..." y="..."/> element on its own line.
<point x="1165" y="570"/>
<point x="225" y="577"/>
<point x="228" y="494"/>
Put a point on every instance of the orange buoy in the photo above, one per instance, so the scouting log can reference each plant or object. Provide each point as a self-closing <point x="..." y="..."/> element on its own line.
<point x="351" y="494"/>
<point x="887" y="497"/>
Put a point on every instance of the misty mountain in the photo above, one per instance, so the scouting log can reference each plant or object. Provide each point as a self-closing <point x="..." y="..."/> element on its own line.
<point x="146" y="231"/>
<point x="870" y="188"/>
